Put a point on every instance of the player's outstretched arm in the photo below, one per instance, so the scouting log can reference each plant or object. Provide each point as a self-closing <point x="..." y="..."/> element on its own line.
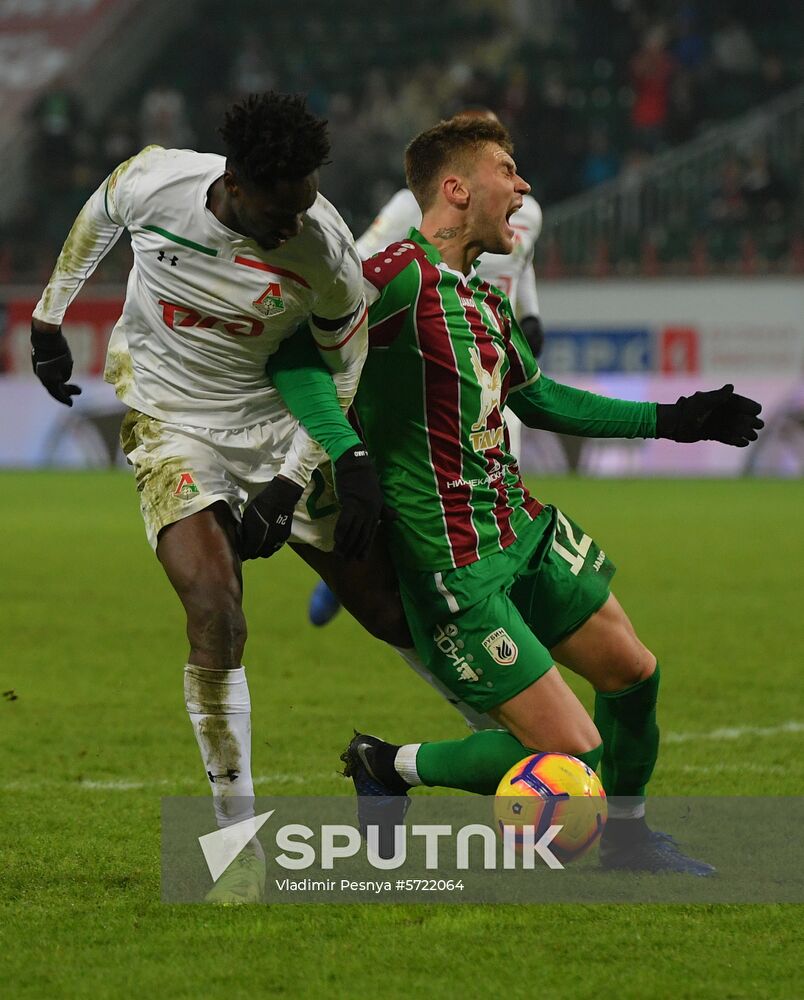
<point x="551" y="406"/>
<point x="94" y="232"/>
<point x="718" y="415"/>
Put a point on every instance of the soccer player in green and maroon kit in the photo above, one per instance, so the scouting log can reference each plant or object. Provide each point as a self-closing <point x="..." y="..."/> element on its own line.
<point x="497" y="586"/>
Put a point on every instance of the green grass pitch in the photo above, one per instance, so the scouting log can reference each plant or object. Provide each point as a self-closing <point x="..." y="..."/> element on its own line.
<point x="93" y="647"/>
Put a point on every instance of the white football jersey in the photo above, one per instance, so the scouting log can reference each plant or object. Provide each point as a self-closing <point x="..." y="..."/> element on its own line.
<point x="513" y="273"/>
<point x="206" y="307"/>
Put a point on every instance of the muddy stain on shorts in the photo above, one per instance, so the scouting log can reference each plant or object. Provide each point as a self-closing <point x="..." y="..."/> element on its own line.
<point x="119" y="371"/>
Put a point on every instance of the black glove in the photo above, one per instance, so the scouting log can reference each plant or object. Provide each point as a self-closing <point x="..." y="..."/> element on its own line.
<point x="362" y="508"/>
<point x="719" y="415"/>
<point x="53" y="365"/>
<point x="268" y="519"/>
<point x="531" y="326"/>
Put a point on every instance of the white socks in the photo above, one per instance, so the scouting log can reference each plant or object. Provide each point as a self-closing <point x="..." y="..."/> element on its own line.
<point x="220" y="710"/>
<point x="405" y="763"/>
<point x="626" y="807"/>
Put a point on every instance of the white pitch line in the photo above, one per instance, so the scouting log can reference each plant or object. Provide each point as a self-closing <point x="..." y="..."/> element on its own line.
<point x="124" y="786"/>
<point x="734" y="733"/>
<point x="742" y="768"/>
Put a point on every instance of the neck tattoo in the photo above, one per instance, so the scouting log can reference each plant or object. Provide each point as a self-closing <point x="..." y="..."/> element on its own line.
<point x="446" y="233"/>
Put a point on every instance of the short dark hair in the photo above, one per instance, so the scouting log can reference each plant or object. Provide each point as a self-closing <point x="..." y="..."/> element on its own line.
<point x="272" y="137"/>
<point x="448" y="144"/>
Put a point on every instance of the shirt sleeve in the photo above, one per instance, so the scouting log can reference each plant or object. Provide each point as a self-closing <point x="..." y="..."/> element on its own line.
<point x="95" y="231"/>
<point x="527" y="298"/>
<point x="524" y="368"/>
<point x="338" y="326"/>
<point x="551" y="406"/>
<point x="308" y="390"/>
<point x="392" y="224"/>
<point x="339" y="331"/>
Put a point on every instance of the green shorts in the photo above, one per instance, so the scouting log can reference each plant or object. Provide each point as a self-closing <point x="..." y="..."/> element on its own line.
<point x="489" y="649"/>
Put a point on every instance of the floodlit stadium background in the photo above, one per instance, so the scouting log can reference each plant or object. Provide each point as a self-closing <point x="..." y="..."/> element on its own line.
<point x="664" y="141"/>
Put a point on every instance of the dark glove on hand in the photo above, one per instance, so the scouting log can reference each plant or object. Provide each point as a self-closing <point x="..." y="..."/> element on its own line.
<point x="531" y="326"/>
<point x="719" y="415"/>
<point x="358" y="490"/>
<point x="53" y="365"/>
<point x="268" y="519"/>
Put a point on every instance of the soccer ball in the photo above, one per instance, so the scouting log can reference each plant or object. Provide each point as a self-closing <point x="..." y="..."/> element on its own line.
<point x="553" y="789"/>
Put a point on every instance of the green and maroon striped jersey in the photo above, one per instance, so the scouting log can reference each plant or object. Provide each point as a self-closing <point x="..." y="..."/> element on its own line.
<point x="444" y="353"/>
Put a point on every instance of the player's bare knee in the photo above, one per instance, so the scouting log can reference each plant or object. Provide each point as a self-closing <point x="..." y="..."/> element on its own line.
<point x="631" y="663"/>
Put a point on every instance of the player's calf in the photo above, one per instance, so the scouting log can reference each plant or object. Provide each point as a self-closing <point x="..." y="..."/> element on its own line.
<point x="198" y="555"/>
<point x="216" y="628"/>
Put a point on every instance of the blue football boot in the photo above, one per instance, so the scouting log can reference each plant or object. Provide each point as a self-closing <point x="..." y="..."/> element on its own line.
<point x="324" y="605"/>
<point x="382" y="796"/>
<point x="649" y="851"/>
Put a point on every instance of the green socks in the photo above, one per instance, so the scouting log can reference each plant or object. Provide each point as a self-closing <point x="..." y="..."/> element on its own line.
<point x="626" y="721"/>
<point x="478" y="762"/>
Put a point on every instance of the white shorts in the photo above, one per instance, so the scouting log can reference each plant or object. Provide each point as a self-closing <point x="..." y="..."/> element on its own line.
<point x="181" y="470"/>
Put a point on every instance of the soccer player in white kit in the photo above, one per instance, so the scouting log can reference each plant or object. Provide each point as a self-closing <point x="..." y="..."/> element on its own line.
<point x="231" y="255"/>
<point x="512" y="273"/>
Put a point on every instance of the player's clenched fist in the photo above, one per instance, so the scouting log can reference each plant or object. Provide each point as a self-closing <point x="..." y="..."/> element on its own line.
<point x="719" y="415"/>
<point x="268" y="519"/>
<point x="53" y="364"/>
<point x="359" y="493"/>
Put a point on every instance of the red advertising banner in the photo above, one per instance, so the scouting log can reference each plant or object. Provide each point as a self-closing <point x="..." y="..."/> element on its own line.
<point x="678" y="350"/>
<point x="87" y="327"/>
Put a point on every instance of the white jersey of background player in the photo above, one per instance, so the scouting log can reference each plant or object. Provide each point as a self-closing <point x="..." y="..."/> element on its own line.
<point x="513" y="273"/>
<point x="231" y="255"/>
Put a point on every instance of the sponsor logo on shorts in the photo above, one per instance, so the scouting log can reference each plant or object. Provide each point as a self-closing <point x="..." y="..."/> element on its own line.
<point x="501" y="647"/>
<point x="185" y="487"/>
<point x="448" y="642"/>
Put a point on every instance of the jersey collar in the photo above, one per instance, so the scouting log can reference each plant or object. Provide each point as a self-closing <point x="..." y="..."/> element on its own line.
<point x="214" y="225"/>
<point x="433" y="255"/>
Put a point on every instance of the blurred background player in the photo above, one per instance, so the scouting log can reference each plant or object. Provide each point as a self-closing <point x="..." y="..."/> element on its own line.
<point x="231" y="255"/>
<point x="513" y="273"/>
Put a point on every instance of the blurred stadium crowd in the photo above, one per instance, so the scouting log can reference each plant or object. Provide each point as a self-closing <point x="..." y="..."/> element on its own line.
<point x="595" y="94"/>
